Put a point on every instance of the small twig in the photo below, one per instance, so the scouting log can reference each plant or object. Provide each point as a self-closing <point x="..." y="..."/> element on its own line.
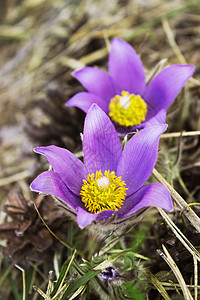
<point x="178" y="134"/>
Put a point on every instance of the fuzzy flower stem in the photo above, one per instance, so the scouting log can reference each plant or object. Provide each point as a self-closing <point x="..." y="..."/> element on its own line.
<point x="187" y="211"/>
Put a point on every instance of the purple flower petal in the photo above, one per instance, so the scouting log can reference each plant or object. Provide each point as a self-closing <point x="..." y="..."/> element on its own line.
<point x="50" y="182"/>
<point x="85" y="218"/>
<point x="139" y="157"/>
<point x="66" y="164"/>
<point x="156" y="119"/>
<point x="101" y="145"/>
<point x="105" y="215"/>
<point x="96" y="81"/>
<point x="84" y="100"/>
<point x="165" y="86"/>
<point x="126" y="68"/>
<point x="154" y="194"/>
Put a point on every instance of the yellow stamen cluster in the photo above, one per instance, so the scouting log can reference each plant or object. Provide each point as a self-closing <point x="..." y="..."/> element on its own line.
<point x="127" y="109"/>
<point x="103" y="192"/>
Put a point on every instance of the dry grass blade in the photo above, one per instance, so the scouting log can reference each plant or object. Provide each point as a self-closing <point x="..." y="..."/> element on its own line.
<point x="23" y="280"/>
<point x="187" y="211"/>
<point x="178" y="134"/>
<point x="179" y="234"/>
<point x="14" y="178"/>
<point x="50" y="284"/>
<point x="82" y="288"/>
<point x="187" y="245"/>
<point x="169" y="286"/>
<point x="172" y="41"/>
<point x="69" y="265"/>
<point x="195" y="277"/>
<point x="175" y="47"/>
<point x="168" y="259"/>
<point x="60" y="240"/>
<point x="157" y="285"/>
<point x="39" y="291"/>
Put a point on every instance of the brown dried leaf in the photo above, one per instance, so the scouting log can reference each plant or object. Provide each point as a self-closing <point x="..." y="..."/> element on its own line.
<point x="17" y="199"/>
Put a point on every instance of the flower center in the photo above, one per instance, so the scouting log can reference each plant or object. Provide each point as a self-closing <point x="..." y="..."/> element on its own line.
<point x="127" y="109"/>
<point x="103" y="192"/>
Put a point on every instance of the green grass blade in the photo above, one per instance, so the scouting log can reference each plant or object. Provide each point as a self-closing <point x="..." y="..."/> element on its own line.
<point x="14" y="287"/>
<point x="80" y="282"/>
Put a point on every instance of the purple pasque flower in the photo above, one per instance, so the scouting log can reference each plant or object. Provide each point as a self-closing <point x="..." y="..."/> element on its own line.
<point x="110" y="181"/>
<point x="123" y="93"/>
